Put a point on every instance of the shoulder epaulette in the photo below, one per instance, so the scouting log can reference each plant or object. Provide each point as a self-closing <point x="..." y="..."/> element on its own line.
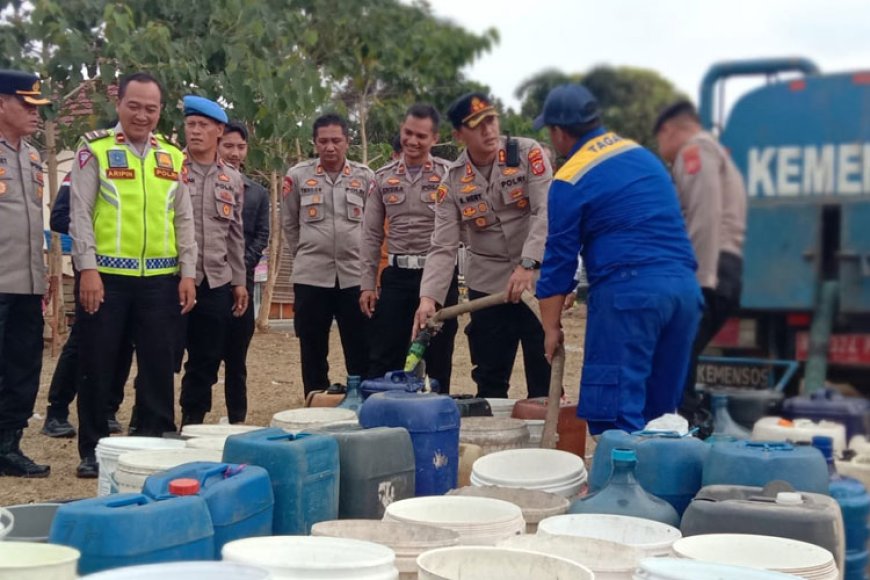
<point x="388" y="167"/>
<point x="358" y="165"/>
<point x="97" y="135"/>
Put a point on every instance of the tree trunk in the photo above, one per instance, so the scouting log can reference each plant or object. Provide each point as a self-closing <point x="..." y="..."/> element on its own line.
<point x="363" y="117"/>
<point x="275" y="243"/>
<point x="55" y="255"/>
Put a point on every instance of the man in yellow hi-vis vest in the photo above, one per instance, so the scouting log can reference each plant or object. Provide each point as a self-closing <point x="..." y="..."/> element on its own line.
<point x="133" y="234"/>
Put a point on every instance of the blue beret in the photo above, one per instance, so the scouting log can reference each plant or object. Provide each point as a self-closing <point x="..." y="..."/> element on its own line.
<point x="194" y="105"/>
<point x="567" y="106"/>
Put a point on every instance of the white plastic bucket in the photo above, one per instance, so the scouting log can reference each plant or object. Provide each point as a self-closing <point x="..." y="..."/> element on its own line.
<point x="110" y="448"/>
<point x="213" y="443"/>
<point x="487" y="563"/>
<point x="32" y="522"/>
<point x="407" y="540"/>
<point x="134" y="467"/>
<point x="308" y="557"/>
<point x="34" y="561"/>
<point x="675" y="569"/>
<point x="799" y="431"/>
<point x="501" y="407"/>
<point x="548" y="470"/>
<point x="536" y="432"/>
<point x="493" y="434"/>
<point x="7" y="522"/>
<point x="607" y="560"/>
<point x="185" y="571"/>
<point x="652" y="538"/>
<point x="296" y="420"/>
<point x="215" y="430"/>
<point x="763" y="552"/>
<point x="536" y="505"/>
<point x="479" y="521"/>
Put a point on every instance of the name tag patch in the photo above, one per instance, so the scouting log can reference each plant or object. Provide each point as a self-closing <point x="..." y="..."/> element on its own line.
<point x="164" y="173"/>
<point x="120" y="173"/>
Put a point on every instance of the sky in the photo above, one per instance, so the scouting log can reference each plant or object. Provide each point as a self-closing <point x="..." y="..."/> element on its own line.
<point x="678" y="38"/>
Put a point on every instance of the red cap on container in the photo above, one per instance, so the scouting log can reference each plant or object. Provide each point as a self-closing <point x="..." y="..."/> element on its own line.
<point x="184" y="486"/>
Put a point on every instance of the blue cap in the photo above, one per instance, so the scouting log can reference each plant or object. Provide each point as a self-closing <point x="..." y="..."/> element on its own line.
<point x="194" y="105"/>
<point x="623" y="455"/>
<point x="567" y="106"/>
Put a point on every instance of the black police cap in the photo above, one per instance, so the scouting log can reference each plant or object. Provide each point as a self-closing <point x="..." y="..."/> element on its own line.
<point x="470" y="109"/>
<point x="673" y="110"/>
<point x="23" y="85"/>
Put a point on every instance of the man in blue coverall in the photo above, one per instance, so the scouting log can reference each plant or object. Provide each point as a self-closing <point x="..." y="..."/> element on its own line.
<point x="613" y="202"/>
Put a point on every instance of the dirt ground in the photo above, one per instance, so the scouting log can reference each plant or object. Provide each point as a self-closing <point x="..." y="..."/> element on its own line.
<point x="274" y="384"/>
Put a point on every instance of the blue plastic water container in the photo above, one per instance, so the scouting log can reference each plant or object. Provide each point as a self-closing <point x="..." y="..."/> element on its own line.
<point x="433" y="422"/>
<point x="855" y="507"/>
<point x="397" y="381"/>
<point x="830" y="405"/>
<point x="128" y="529"/>
<point x="304" y="470"/>
<point x="239" y="497"/>
<point x="757" y="463"/>
<point x="668" y="466"/>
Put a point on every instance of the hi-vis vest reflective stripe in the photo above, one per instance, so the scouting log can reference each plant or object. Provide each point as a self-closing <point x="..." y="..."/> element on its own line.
<point x="595" y="151"/>
<point x="135" y="210"/>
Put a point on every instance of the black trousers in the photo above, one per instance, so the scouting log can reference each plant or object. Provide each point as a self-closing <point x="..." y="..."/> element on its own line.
<point x="207" y="326"/>
<point x="719" y="305"/>
<point x="146" y="309"/>
<point x="494" y="334"/>
<point x="20" y="357"/>
<point x="390" y="327"/>
<point x="63" y="386"/>
<point x="238" y="339"/>
<point x="315" y="309"/>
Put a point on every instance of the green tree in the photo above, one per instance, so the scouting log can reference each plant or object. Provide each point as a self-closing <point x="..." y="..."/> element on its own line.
<point x="381" y="55"/>
<point x="630" y="97"/>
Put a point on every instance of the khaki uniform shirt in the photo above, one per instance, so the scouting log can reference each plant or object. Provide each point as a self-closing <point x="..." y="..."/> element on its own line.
<point x="504" y="215"/>
<point x="217" y="193"/>
<point x="407" y="201"/>
<point x="713" y="198"/>
<point x="322" y="220"/>
<point x="22" y="183"/>
<point x="84" y="189"/>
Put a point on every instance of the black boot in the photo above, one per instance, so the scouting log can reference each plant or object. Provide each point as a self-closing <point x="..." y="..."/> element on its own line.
<point x="192" y="419"/>
<point x="13" y="462"/>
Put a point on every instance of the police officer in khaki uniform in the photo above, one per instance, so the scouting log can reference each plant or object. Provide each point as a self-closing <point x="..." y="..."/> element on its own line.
<point x="405" y="194"/>
<point x="22" y="268"/>
<point x="496" y="191"/>
<point x="322" y="219"/>
<point x="216" y="193"/>
<point x="713" y="199"/>
<point x="133" y="235"/>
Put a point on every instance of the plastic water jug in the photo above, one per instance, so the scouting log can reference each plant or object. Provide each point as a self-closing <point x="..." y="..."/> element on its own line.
<point x="757" y="463"/>
<point x="130" y="528"/>
<point x="775" y="510"/>
<point x="855" y="506"/>
<point x="353" y="399"/>
<point x="239" y="497"/>
<point x="303" y="470"/>
<point x="377" y="468"/>
<point x="433" y="423"/>
<point x="397" y="381"/>
<point x="668" y="466"/>
<point x="471" y="406"/>
<point x="624" y="496"/>
<point x="724" y="427"/>
<point x="853" y="412"/>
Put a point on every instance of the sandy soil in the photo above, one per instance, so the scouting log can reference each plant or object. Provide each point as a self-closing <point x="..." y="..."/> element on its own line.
<point x="274" y="384"/>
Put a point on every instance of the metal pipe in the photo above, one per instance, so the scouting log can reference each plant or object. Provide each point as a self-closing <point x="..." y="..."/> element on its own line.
<point x="762" y="66"/>
<point x="820" y="335"/>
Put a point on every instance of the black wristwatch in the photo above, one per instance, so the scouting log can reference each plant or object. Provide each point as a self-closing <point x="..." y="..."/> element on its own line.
<point x="529" y="264"/>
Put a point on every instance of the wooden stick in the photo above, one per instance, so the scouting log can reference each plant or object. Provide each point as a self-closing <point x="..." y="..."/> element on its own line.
<point x="548" y="439"/>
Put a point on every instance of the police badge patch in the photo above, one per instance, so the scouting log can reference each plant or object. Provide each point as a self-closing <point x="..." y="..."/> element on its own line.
<point x="117" y="159"/>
